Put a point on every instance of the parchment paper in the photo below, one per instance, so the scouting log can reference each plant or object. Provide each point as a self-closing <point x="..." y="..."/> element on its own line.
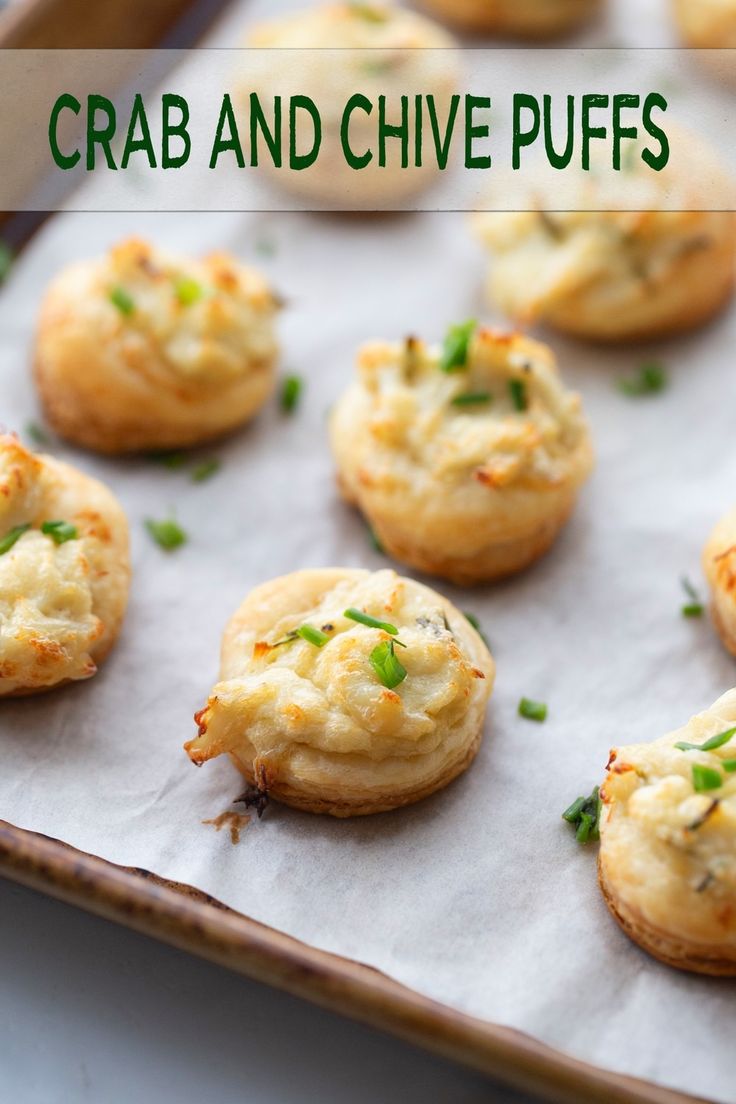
<point x="480" y="896"/>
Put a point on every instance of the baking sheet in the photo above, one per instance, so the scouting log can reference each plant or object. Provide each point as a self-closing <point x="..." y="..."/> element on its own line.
<point x="478" y="897"/>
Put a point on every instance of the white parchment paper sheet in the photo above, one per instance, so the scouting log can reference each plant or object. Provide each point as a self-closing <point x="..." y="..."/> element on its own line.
<point x="478" y="897"/>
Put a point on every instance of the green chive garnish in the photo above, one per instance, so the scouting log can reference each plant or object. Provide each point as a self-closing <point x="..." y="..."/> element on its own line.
<point x="205" y="470"/>
<point x="472" y="398"/>
<point x="291" y="390"/>
<point x="585" y="814"/>
<point x="354" y="614"/>
<point x="706" y="778"/>
<point x="6" y="260"/>
<point x="187" y="290"/>
<point x="650" y="379"/>
<point x="120" y="298"/>
<point x="312" y="635"/>
<point x="60" y="531"/>
<point x="729" y="765"/>
<point x="457" y="345"/>
<point x="171" y="460"/>
<point x="693" y="608"/>
<point x="167" y="534"/>
<point x="368" y="12"/>
<point x="517" y="389"/>
<point x="477" y="626"/>
<point x="709" y="745"/>
<point x="37" y="434"/>
<point x="375" y="542"/>
<point x="532" y="710"/>
<point x="7" y="542"/>
<point x="384" y="662"/>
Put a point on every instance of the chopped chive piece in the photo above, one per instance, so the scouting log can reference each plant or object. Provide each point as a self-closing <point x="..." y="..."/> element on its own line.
<point x="477" y="626"/>
<point x="37" y="434"/>
<point x="368" y="12"/>
<point x="6" y="260"/>
<point x="291" y="391"/>
<point x="706" y="778"/>
<point x="472" y="398"/>
<point x="572" y="813"/>
<point x="650" y="379"/>
<point x="384" y="662"/>
<point x="120" y="298"/>
<point x="585" y="814"/>
<point x="171" y="460"/>
<point x="187" y="290"/>
<point x="7" y="542"/>
<point x="693" y="608"/>
<point x="517" y="389"/>
<point x="354" y="614"/>
<point x="167" y="534"/>
<point x="532" y="710"/>
<point x="205" y="470"/>
<point x="709" y="745"/>
<point x="312" y="635"/>
<point x="457" y="345"/>
<point x="729" y="765"/>
<point x="60" y="531"/>
<point x="375" y="542"/>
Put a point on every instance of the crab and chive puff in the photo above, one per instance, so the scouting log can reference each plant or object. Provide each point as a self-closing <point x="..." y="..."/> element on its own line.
<point x="466" y="458"/>
<point x="140" y="350"/>
<point x="346" y="692"/>
<point x="64" y="571"/>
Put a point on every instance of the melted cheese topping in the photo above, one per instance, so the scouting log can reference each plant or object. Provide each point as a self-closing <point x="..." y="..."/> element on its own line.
<point x="708" y="23"/>
<point x="279" y="697"/>
<point x="416" y="429"/>
<point x="51" y="594"/>
<point x="655" y="812"/>
<point x="546" y="259"/>
<point x="47" y="626"/>
<point x="209" y="321"/>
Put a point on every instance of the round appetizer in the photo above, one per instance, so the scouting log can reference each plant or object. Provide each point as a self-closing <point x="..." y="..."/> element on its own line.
<point x="335" y="51"/>
<point x="667" y="864"/>
<point x="140" y="351"/>
<point x="347" y="692"/>
<point x="64" y="571"/>
<point x="466" y="459"/>
<point x="527" y="18"/>
<point x="707" y="23"/>
<point x="611" y="276"/>
<point x="719" y="565"/>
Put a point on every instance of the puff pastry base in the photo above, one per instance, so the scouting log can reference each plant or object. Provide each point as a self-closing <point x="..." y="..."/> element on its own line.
<point x="679" y="953"/>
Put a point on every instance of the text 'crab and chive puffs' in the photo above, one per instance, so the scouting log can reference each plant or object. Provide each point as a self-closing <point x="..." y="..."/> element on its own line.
<point x="64" y="571"/>
<point x="139" y="350"/>
<point x="465" y="458"/>
<point x="347" y="692"/>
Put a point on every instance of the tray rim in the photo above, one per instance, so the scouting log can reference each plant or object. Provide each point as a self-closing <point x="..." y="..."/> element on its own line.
<point x="194" y="922"/>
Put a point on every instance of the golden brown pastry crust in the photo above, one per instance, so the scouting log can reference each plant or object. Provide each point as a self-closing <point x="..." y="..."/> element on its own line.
<point x="469" y="494"/>
<point x="171" y="373"/>
<point x="719" y="566"/>
<point x="707" y="23"/>
<point x="61" y="606"/>
<point x="526" y="18"/>
<point x="314" y="727"/>
<point x="667" y="863"/>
